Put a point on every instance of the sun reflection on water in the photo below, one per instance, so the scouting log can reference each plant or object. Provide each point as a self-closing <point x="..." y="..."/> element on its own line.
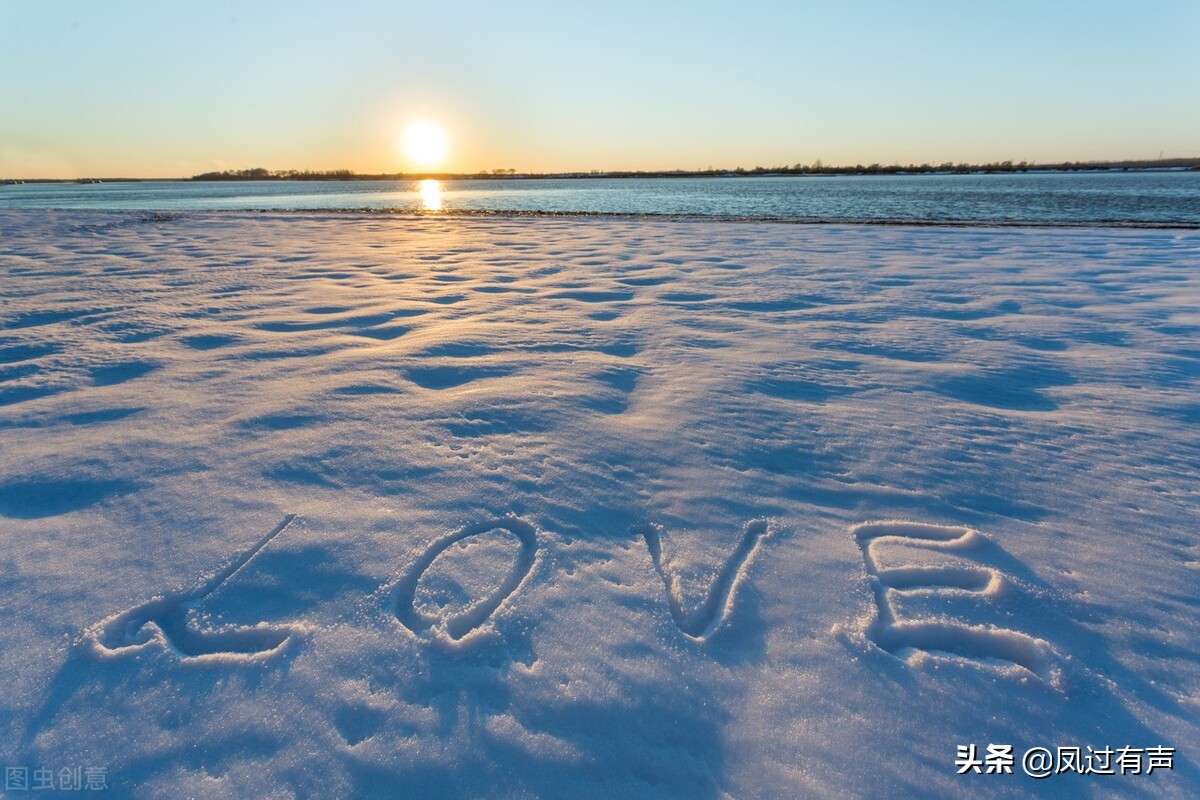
<point x="431" y="194"/>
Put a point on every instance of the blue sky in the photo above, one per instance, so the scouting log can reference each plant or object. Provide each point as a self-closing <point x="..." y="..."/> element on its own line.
<point x="170" y="89"/>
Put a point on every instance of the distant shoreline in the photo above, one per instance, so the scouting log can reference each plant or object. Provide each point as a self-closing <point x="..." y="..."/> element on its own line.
<point x="815" y="170"/>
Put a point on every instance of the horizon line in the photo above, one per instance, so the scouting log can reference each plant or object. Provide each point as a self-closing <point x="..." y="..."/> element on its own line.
<point x="815" y="168"/>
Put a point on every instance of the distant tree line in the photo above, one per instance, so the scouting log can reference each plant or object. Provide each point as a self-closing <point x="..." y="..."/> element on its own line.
<point x="260" y="174"/>
<point x="816" y="168"/>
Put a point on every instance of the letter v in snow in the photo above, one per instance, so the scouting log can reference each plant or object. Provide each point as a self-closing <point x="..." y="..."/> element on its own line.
<point x="703" y="621"/>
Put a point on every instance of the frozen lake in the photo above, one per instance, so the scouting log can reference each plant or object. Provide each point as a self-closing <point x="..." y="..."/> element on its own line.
<point x="1055" y="198"/>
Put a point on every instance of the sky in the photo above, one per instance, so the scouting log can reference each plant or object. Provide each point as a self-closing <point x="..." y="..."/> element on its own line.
<point x="154" y="89"/>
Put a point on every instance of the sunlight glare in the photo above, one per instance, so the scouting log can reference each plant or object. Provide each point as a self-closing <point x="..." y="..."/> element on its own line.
<point x="431" y="195"/>
<point x="425" y="143"/>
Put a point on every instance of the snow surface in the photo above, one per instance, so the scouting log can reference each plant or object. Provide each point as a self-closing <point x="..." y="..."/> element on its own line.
<point x="353" y="505"/>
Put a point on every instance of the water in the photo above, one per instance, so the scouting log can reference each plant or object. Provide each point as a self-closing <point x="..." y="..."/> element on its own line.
<point x="1123" y="197"/>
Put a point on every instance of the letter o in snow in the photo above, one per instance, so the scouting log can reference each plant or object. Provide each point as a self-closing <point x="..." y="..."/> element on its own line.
<point x="459" y="625"/>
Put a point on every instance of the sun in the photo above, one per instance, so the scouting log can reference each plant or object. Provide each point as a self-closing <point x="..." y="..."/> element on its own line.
<point x="425" y="143"/>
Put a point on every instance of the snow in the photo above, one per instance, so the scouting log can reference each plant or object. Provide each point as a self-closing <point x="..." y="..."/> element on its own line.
<point x="299" y="505"/>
